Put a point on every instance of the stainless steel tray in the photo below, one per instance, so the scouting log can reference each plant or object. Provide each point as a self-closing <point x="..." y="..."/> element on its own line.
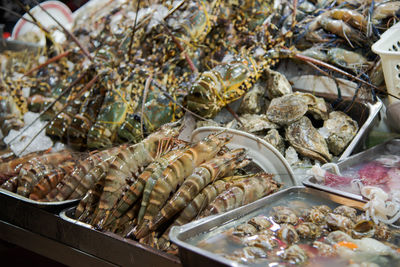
<point x="387" y="148"/>
<point x="142" y="252"/>
<point x="39" y="204"/>
<point x="191" y="255"/>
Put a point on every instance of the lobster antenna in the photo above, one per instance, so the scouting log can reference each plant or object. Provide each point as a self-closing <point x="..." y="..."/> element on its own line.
<point x="134" y="29"/>
<point x="145" y="92"/>
<point x="85" y="52"/>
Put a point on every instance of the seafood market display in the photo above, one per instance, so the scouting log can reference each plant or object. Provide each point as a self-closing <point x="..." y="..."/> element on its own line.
<point x="300" y="233"/>
<point x="188" y="182"/>
<point x="115" y="95"/>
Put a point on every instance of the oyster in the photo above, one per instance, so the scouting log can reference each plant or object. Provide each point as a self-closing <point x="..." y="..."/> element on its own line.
<point x="260" y="222"/>
<point x="287" y="109"/>
<point x="252" y="102"/>
<point x="256" y="123"/>
<point x="291" y="156"/>
<point x="316" y="105"/>
<point x="277" y="84"/>
<point x="283" y="214"/>
<point x="288" y="234"/>
<point x="295" y="255"/>
<point x="346" y="211"/>
<point x="324" y="249"/>
<point x="276" y="140"/>
<point x="339" y="222"/>
<point x="341" y="130"/>
<point x="308" y="230"/>
<point x="307" y="140"/>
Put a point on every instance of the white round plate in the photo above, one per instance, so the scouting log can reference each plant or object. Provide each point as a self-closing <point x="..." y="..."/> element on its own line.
<point x="263" y="154"/>
<point x="28" y="32"/>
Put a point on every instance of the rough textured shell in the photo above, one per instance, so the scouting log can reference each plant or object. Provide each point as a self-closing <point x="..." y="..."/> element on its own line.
<point x="307" y="140"/>
<point x="287" y="109"/>
<point x="341" y="129"/>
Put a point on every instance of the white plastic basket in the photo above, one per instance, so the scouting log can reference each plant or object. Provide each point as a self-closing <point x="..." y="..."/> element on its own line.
<point x="388" y="48"/>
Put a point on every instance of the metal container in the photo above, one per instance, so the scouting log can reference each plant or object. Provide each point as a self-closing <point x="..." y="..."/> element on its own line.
<point x="185" y="236"/>
<point x="139" y="254"/>
<point x="39" y="204"/>
<point x="391" y="147"/>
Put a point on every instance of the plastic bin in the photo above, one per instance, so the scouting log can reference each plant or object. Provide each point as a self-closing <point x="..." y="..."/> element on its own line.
<point x="388" y="48"/>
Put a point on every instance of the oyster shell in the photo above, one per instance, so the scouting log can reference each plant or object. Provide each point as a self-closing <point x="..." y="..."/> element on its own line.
<point x="307" y="140"/>
<point x="341" y="129"/>
<point x="264" y="241"/>
<point x="256" y="123"/>
<point x="287" y="109"/>
<point x="316" y="105"/>
<point x="291" y="156"/>
<point x="324" y="249"/>
<point x="382" y="232"/>
<point x="277" y="84"/>
<point x="245" y="229"/>
<point x="276" y="140"/>
<point x="338" y="236"/>
<point x="363" y="228"/>
<point x="260" y="222"/>
<point x="252" y="102"/>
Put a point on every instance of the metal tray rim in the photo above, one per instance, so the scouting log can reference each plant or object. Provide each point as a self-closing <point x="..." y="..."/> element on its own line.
<point x="307" y="181"/>
<point x="37" y="203"/>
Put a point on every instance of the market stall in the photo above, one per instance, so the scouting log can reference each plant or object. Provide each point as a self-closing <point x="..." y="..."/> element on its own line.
<point x="193" y="132"/>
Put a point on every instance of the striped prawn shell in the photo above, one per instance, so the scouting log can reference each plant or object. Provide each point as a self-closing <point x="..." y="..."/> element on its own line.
<point x="50" y="180"/>
<point x="11" y="184"/>
<point x="241" y="193"/>
<point x="200" y="178"/>
<point x="37" y="168"/>
<point x="89" y="202"/>
<point x="157" y="192"/>
<point x="127" y="165"/>
<point x="135" y="191"/>
<point x="67" y="186"/>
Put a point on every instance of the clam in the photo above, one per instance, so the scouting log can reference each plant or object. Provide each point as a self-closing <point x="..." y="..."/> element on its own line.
<point x="341" y="130"/>
<point x="294" y="255"/>
<point x="277" y="84"/>
<point x="346" y="211"/>
<point x="308" y="230"/>
<point x="287" y="109"/>
<point x="283" y="214"/>
<point x="287" y="233"/>
<point x="245" y="229"/>
<point x="264" y="241"/>
<point x="363" y="228"/>
<point x="276" y="140"/>
<point x="339" y="222"/>
<point x="260" y="222"/>
<point x="324" y="250"/>
<point x="307" y="140"/>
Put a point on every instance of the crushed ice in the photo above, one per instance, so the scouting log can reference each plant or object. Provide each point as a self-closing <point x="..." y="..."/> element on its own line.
<point x="41" y="142"/>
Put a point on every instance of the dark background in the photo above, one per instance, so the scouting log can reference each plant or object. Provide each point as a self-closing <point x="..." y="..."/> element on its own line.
<point x="9" y="19"/>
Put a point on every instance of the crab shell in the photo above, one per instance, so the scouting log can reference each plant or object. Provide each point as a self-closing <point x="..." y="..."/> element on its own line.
<point x="341" y="129"/>
<point x="307" y="140"/>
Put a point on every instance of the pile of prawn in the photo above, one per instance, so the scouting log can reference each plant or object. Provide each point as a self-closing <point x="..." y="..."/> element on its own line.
<point x="189" y="181"/>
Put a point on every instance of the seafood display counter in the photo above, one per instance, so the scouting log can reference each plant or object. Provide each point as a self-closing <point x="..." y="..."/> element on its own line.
<point x="45" y="233"/>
